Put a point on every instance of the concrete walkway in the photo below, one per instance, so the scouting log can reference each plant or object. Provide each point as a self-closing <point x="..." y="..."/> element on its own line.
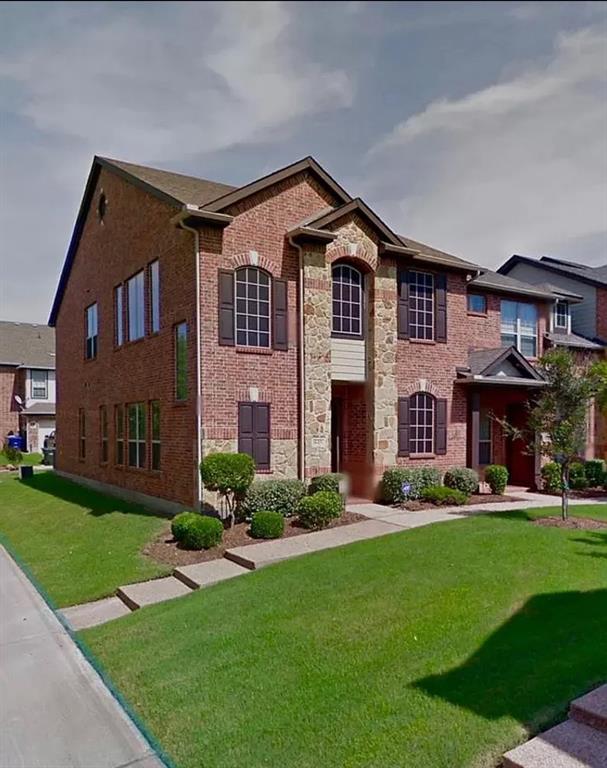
<point x="55" y="711"/>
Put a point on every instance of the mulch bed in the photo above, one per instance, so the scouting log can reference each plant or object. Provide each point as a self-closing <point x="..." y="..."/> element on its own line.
<point x="480" y="498"/>
<point x="575" y="523"/>
<point x="166" y="550"/>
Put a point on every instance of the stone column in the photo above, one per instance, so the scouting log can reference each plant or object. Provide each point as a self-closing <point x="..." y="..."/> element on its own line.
<point x="317" y="359"/>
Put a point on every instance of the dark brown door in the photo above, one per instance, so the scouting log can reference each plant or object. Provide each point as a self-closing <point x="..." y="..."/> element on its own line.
<point x="520" y="463"/>
<point x="336" y="433"/>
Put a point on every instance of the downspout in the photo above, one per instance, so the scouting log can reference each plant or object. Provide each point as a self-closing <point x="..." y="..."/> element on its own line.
<point x="302" y="399"/>
<point x="197" y="254"/>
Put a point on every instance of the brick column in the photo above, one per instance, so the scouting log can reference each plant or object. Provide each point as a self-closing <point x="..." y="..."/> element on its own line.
<point x="317" y="359"/>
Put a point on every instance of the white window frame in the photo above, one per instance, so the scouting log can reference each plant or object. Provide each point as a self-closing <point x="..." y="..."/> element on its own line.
<point x="154" y="296"/>
<point x="91" y="314"/>
<point x="135" y="289"/>
<point x="417" y="280"/>
<point x="518" y="334"/>
<point x="489" y="440"/>
<point x="419" y="445"/>
<point x="555" y="324"/>
<point x="155" y="442"/>
<point x="348" y="268"/>
<point x="139" y="440"/>
<point x="34" y="386"/>
<point x="119" y="314"/>
<point x="249" y="315"/>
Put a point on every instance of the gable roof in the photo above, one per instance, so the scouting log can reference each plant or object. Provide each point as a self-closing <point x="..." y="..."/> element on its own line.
<point x="355" y="206"/>
<point x="27" y="345"/>
<point x="494" y="281"/>
<point x="582" y="272"/>
<point x="427" y="252"/>
<point x="486" y="366"/>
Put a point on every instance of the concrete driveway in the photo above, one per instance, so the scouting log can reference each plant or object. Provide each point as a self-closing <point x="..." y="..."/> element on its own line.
<point x="55" y="711"/>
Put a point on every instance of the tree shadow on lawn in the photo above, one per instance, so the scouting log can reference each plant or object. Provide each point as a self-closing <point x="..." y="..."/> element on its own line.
<point x="595" y="539"/>
<point x="553" y="649"/>
<point x="97" y="503"/>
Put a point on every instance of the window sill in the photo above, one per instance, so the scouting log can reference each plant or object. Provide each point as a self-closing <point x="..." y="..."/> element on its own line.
<point x="137" y="470"/>
<point x="430" y="342"/>
<point x="264" y="471"/>
<point x="471" y="313"/>
<point x="181" y="403"/>
<point x="255" y="350"/>
<point x="355" y="336"/>
<point x="415" y="456"/>
<point x="131" y="342"/>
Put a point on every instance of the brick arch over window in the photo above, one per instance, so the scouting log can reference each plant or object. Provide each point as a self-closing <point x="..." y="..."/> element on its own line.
<point x="421" y="385"/>
<point x="254" y="259"/>
<point x="422" y="424"/>
<point x="354" y="252"/>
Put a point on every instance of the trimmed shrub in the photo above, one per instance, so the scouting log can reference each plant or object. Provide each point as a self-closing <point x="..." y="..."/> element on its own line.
<point x="202" y="533"/>
<point x="594" y="469"/>
<point x="327" y="482"/>
<point x="462" y="479"/>
<point x="267" y="525"/>
<point x="577" y="476"/>
<point x="280" y="496"/>
<point x="443" y="496"/>
<point x="230" y="474"/>
<point x="551" y="477"/>
<point x="496" y="475"/>
<point x="318" y="510"/>
<point x="417" y="477"/>
<point x="180" y="523"/>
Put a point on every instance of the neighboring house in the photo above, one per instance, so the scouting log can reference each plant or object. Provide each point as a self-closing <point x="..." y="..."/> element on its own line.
<point x="283" y="319"/>
<point x="579" y="318"/>
<point x="27" y="382"/>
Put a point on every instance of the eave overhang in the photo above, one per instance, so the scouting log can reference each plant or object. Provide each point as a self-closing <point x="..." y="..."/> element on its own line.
<point x="305" y="234"/>
<point x="500" y="381"/>
<point x="426" y="258"/>
<point x="191" y="216"/>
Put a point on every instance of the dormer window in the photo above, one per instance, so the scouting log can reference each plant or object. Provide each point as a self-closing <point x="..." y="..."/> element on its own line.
<point x="561" y="315"/>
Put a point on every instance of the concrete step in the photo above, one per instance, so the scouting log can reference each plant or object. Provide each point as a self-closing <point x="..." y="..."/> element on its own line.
<point x="150" y="592"/>
<point x="98" y="612"/>
<point x="568" y="745"/>
<point x="591" y="709"/>
<point x="204" y="574"/>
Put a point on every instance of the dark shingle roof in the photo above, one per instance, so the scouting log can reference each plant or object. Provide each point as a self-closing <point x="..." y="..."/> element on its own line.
<point x="583" y="272"/>
<point x="27" y="345"/>
<point x="184" y="189"/>
<point x="573" y="340"/>
<point x="480" y="359"/>
<point x="503" y="284"/>
<point x="435" y="253"/>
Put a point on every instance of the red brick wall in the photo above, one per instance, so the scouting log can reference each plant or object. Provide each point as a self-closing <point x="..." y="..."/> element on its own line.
<point x="11" y="384"/>
<point x="135" y="231"/>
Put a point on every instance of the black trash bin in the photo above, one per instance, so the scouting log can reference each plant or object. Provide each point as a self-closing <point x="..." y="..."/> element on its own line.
<point x="48" y="457"/>
<point x="26" y="472"/>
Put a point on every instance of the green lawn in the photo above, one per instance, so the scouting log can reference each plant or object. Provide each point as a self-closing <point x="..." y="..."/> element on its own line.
<point x="30" y="459"/>
<point x="432" y="648"/>
<point x="79" y="545"/>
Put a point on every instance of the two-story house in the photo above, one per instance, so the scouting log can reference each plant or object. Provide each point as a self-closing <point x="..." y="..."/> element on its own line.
<point x="27" y="382"/>
<point x="579" y="318"/>
<point x="284" y="319"/>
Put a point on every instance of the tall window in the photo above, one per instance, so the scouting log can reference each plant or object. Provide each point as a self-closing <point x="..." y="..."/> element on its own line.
<point x="181" y="361"/>
<point x="103" y="435"/>
<point x="561" y="314"/>
<point x="119" y="315"/>
<point x="154" y="296"/>
<point x="39" y="385"/>
<point x="136" y="435"/>
<point x="81" y="434"/>
<point x="421" y="415"/>
<point x="421" y="305"/>
<point x="519" y="326"/>
<point x="91" y="332"/>
<point x="119" y="432"/>
<point x="252" y="307"/>
<point x="347" y="301"/>
<point x="484" y="438"/>
<point x="155" y="433"/>
<point x="136" y="307"/>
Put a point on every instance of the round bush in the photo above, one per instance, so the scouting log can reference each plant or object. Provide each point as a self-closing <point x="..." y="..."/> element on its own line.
<point x="496" y="475"/>
<point x="462" y="479"/>
<point x="551" y="477"/>
<point x="228" y="472"/>
<point x="202" y="533"/>
<point x="327" y="482"/>
<point x="318" y="510"/>
<point x="267" y="525"/>
<point x="180" y="523"/>
<point x="577" y="476"/>
<point x="443" y="496"/>
<point x="417" y="478"/>
<point x="594" y="469"/>
<point x="281" y="496"/>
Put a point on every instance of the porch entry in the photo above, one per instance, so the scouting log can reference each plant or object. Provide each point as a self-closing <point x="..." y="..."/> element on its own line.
<point x="520" y="463"/>
<point x="336" y="434"/>
<point x="350" y="441"/>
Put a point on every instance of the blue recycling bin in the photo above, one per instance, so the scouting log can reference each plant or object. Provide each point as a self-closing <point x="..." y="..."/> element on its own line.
<point x="15" y="441"/>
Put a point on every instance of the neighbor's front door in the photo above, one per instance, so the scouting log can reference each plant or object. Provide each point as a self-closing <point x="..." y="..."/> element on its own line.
<point x="520" y="462"/>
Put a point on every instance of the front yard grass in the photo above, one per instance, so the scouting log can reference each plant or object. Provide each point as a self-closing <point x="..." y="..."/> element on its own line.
<point x="432" y="648"/>
<point x="79" y="545"/>
<point x="29" y="459"/>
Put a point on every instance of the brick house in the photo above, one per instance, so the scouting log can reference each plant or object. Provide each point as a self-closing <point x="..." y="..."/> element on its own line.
<point x="282" y="318"/>
<point x="27" y="382"/>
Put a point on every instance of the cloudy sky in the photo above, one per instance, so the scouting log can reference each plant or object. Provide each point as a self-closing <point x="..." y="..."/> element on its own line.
<point x="480" y="128"/>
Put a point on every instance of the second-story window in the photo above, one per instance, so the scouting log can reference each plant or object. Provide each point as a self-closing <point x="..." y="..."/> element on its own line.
<point x="119" y="315"/>
<point x="252" y="307"/>
<point x="477" y="303"/>
<point x="136" y="307"/>
<point x="347" y="301"/>
<point x="421" y="305"/>
<point x="39" y="385"/>
<point x="519" y="326"/>
<point x="561" y="315"/>
<point x="91" y="332"/>
<point x="181" y="361"/>
<point x="154" y="297"/>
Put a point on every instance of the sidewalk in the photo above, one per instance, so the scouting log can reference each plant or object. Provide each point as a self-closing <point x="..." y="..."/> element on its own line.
<point x="55" y="711"/>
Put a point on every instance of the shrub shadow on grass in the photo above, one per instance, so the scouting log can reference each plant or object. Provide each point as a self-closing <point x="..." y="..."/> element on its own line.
<point x="97" y="503"/>
<point x="550" y="651"/>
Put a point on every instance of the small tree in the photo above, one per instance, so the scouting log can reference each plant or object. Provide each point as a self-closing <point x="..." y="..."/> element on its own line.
<point x="230" y="474"/>
<point x="557" y="417"/>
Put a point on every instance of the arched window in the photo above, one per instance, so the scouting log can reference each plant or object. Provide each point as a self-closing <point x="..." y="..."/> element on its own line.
<point x="347" y="301"/>
<point x="421" y="423"/>
<point x="252" y="307"/>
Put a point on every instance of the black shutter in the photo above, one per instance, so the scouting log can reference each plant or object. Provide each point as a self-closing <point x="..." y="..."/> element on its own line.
<point x="402" y="319"/>
<point x="440" y="433"/>
<point x="403" y="426"/>
<point x="226" y="307"/>
<point x="246" y="435"/>
<point x="261" y="450"/>
<point x="280" y="320"/>
<point x="440" y="296"/>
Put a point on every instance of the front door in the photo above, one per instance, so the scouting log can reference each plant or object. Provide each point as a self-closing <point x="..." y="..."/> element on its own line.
<point x="519" y="460"/>
<point x="336" y="433"/>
